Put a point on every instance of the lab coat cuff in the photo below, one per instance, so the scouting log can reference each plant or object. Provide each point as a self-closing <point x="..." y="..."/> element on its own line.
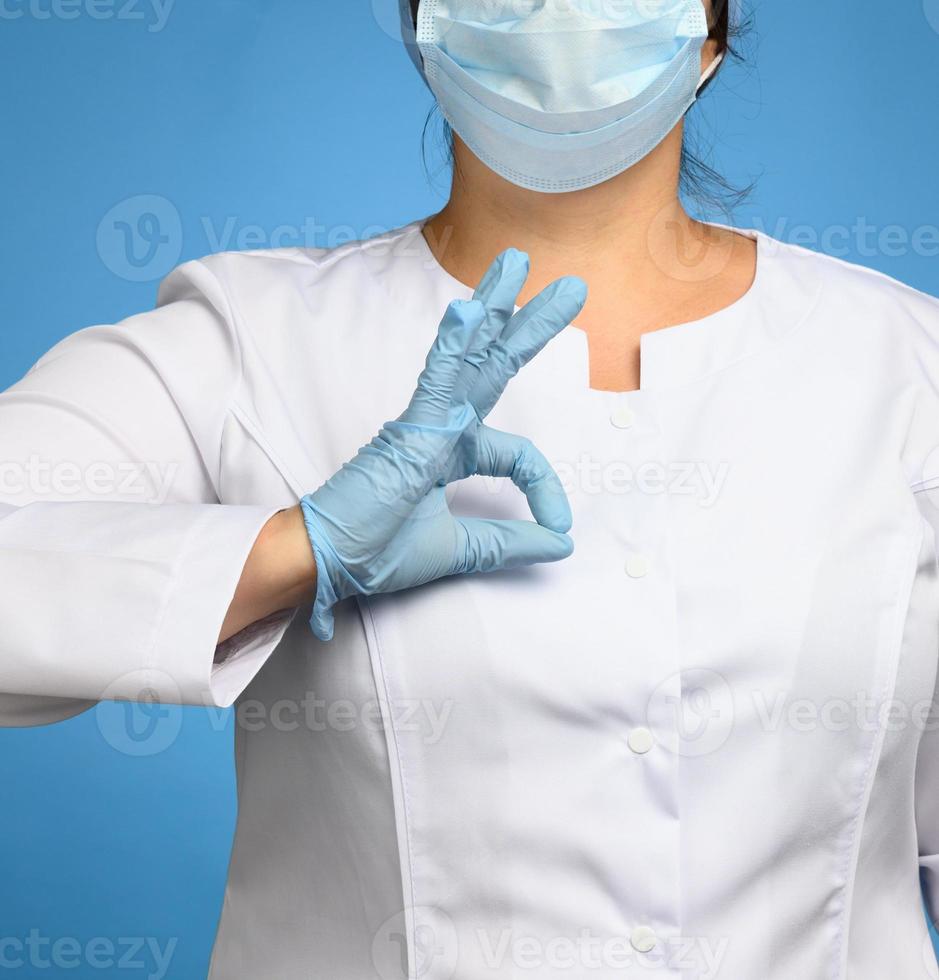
<point x="239" y="658"/>
<point x="188" y="660"/>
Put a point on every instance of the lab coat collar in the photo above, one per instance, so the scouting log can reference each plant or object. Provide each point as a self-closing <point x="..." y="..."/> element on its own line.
<point x="780" y="298"/>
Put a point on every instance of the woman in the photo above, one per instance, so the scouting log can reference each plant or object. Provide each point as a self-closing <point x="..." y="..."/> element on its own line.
<point x="699" y="741"/>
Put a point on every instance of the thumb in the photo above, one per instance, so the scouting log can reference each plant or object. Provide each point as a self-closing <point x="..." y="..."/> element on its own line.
<point x="492" y="545"/>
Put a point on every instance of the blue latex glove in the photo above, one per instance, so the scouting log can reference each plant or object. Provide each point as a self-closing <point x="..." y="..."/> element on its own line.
<point x="381" y="523"/>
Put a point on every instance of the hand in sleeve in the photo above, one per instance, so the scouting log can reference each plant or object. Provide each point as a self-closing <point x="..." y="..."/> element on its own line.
<point x="117" y="559"/>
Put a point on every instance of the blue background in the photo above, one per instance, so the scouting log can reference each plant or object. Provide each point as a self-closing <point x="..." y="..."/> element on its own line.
<point x="258" y="122"/>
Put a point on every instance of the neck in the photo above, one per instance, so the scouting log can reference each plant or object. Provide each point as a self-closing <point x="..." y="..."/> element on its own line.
<point x="633" y="224"/>
<point x="646" y="262"/>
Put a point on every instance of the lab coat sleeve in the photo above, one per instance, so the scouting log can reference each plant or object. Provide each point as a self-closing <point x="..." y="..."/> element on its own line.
<point x="117" y="561"/>
<point x="927" y="813"/>
<point x="927" y="762"/>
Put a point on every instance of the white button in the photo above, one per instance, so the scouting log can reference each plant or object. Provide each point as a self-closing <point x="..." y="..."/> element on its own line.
<point x="640" y="741"/>
<point x="643" y="939"/>
<point x="638" y="566"/>
<point x="623" y="417"/>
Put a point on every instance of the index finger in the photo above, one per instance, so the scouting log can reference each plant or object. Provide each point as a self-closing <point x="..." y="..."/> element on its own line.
<point x="525" y="335"/>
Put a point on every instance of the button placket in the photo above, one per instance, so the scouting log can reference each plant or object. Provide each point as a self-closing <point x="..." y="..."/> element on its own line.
<point x="639" y="521"/>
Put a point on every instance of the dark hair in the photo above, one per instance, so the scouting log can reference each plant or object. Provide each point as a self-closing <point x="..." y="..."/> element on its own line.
<point x="700" y="182"/>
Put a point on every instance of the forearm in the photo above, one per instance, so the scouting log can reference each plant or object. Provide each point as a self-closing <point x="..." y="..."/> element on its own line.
<point x="280" y="573"/>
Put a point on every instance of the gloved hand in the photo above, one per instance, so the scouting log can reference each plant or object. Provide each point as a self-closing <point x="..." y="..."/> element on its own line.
<point x="381" y="523"/>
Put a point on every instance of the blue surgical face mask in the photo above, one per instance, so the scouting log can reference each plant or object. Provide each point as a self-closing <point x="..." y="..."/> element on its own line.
<point x="559" y="95"/>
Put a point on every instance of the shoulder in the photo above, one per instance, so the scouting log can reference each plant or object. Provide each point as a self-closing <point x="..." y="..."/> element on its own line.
<point x="334" y="311"/>
<point x="315" y="329"/>
<point x="852" y="318"/>
<point x="868" y="296"/>
<point x="881" y="336"/>
<point x="239" y="280"/>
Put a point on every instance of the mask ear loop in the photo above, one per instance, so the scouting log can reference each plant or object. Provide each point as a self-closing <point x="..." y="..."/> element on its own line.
<point x="710" y="71"/>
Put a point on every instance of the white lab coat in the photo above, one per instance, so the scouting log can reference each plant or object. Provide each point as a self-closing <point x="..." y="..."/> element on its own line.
<point x="684" y="747"/>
